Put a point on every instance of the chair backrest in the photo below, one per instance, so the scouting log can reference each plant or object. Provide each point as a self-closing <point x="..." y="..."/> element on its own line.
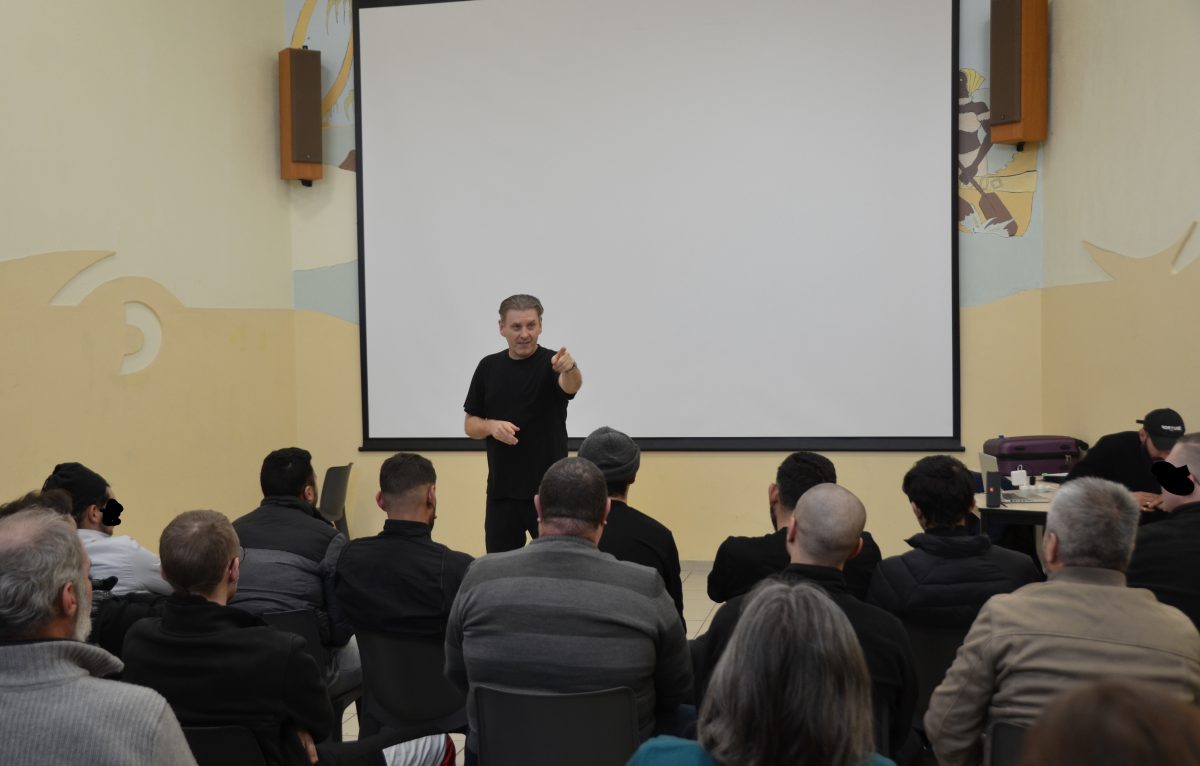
<point x="224" y="746"/>
<point x="302" y="622"/>
<point x="403" y="681"/>
<point x="933" y="653"/>
<point x="529" y="728"/>
<point x="332" y="501"/>
<point x="1006" y="741"/>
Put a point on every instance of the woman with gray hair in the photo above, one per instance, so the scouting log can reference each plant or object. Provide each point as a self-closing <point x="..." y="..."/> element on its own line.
<point x="791" y="688"/>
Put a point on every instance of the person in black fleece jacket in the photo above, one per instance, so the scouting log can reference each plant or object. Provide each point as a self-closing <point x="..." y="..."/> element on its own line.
<point x="949" y="575"/>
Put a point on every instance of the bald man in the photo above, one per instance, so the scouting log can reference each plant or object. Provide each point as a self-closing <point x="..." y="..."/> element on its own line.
<point x="825" y="531"/>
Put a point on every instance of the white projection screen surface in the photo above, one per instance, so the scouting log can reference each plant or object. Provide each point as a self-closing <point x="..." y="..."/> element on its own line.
<point x="737" y="214"/>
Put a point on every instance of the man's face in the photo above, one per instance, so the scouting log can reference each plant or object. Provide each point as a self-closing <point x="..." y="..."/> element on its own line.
<point x="1154" y="452"/>
<point x="108" y="495"/>
<point x="521" y="329"/>
<point x="1170" y="501"/>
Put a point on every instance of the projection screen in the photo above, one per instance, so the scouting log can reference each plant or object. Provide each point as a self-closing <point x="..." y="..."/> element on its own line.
<point x="737" y="213"/>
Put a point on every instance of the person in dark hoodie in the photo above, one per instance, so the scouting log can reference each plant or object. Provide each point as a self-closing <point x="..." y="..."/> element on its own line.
<point x="950" y="573"/>
<point x="291" y="557"/>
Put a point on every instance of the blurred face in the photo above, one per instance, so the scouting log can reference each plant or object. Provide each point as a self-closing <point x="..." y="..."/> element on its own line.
<point x="521" y="329"/>
<point x="1154" y="452"/>
<point x="1169" y="501"/>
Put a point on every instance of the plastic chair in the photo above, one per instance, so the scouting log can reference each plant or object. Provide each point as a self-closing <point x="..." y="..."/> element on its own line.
<point x="527" y="728"/>
<point x="1005" y="743"/>
<point x="404" y="690"/>
<point x="332" y="502"/>
<point x="303" y="622"/>
<point x="224" y="746"/>
<point x="933" y="650"/>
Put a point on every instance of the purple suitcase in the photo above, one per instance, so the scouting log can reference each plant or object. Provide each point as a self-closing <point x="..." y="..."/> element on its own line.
<point x="1036" y="454"/>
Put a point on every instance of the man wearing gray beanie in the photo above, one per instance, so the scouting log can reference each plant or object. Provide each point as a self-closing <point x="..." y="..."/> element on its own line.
<point x="631" y="535"/>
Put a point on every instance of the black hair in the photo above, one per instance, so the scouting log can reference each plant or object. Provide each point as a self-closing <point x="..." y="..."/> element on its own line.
<point x="85" y="486"/>
<point x="800" y="472"/>
<point x="573" y="488"/>
<point x="942" y="489"/>
<point x="405" y="471"/>
<point x="286" y="472"/>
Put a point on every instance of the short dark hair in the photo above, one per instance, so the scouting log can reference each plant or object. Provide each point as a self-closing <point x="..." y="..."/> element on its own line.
<point x="801" y="471"/>
<point x="57" y="500"/>
<point x="403" y="472"/>
<point x="942" y="488"/>
<point x="196" y="548"/>
<point x="520" y="302"/>
<point x="1114" y="721"/>
<point x="286" y="472"/>
<point x="85" y="486"/>
<point x="573" y="488"/>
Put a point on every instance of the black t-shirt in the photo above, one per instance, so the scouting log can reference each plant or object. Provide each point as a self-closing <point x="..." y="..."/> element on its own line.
<point x="526" y="393"/>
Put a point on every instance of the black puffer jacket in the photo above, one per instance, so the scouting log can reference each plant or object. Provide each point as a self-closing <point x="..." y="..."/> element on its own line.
<point x="947" y="578"/>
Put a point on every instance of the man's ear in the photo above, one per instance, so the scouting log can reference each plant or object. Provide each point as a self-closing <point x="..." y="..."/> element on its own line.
<point x="1050" y="547"/>
<point x="537" y="506"/>
<point x="379" y="500"/>
<point x="791" y="528"/>
<point x="607" y="508"/>
<point x="94" y="514"/>
<point x="773" y="494"/>
<point x="857" y="550"/>
<point x="920" y="516"/>
<point x="68" y="600"/>
<point x="235" y="571"/>
<point x="431" y="496"/>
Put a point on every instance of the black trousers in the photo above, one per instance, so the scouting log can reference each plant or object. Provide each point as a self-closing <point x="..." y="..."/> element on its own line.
<point x="505" y="523"/>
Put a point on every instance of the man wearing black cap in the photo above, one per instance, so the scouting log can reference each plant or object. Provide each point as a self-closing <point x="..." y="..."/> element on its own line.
<point x="96" y="512"/>
<point x="631" y="535"/>
<point x="1127" y="457"/>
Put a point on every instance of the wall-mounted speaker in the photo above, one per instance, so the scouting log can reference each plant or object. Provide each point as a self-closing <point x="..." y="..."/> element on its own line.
<point x="300" y="115"/>
<point x="1020" y="93"/>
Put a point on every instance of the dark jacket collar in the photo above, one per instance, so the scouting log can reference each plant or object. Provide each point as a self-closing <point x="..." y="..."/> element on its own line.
<point x="950" y="542"/>
<point x="185" y="613"/>
<point x="406" y="528"/>
<point x="294" y="503"/>
<point x="832" y="580"/>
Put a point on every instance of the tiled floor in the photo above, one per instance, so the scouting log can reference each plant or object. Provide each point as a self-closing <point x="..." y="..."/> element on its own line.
<point x="697" y="612"/>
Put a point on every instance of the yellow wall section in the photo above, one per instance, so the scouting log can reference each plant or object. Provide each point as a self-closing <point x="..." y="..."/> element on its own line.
<point x="189" y="431"/>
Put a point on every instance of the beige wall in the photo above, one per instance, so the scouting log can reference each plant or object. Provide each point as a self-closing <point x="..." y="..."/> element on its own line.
<point x="1120" y="205"/>
<point x="145" y="261"/>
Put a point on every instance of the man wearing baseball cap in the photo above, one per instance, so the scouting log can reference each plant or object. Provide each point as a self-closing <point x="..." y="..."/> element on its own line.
<point x="629" y="534"/>
<point x="1127" y="457"/>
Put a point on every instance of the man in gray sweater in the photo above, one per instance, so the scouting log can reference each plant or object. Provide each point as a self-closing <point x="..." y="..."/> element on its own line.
<point x="560" y="616"/>
<point x="54" y="702"/>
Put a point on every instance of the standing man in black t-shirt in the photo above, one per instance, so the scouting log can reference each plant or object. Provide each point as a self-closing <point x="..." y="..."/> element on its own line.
<point x="518" y="403"/>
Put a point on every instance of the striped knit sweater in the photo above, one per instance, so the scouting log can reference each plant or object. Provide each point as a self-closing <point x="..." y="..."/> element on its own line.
<point x="559" y="615"/>
<point x="56" y="708"/>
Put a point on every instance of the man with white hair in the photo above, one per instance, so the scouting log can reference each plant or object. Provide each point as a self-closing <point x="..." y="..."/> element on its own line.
<point x="56" y="705"/>
<point x="1081" y="625"/>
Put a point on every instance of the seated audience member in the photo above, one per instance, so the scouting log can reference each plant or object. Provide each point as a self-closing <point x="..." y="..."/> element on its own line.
<point x="950" y="573"/>
<point x="56" y="500"/>
<point x="220" y="666"/>
<point x="55" y="703"/>
<point x="1126" y="458"/>
<point x="824" y="532"/>
<point x="522" y="616"/>
<point x="1115" y="723"/>
<point x="401" y="582"/>
<point x="742" y="561"/>
<point x="96" y="512"/>
<point x="631" y="535"/>
<point x="291" y="554"/>
<point x="1166" y="558"/>
<point x="791" y="688"/>
<point x="1081" y="625"/>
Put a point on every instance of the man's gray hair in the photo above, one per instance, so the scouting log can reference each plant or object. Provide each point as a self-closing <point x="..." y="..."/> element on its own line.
<point x="39" y="553"/>
<point x="520" y="302"/>
<point x="1095" y="521"/>
<point x="1188" y="450"/>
